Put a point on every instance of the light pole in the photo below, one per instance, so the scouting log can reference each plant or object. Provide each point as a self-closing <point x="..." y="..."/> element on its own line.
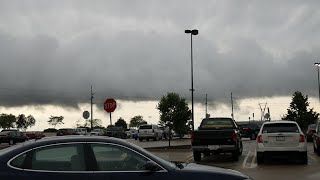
<point x="318" y="64"/>
<point x="192" y="32"/>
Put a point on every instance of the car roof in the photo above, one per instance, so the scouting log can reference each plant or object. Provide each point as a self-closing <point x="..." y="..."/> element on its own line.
<point x="279" y="122"/>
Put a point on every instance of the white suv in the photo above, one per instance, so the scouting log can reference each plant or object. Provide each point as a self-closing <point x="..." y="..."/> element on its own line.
<point x="149" y="132"/>
<point x="281" y="138"/>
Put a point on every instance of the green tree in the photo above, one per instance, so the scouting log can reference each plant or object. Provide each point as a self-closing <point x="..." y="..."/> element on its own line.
<point x="174" y="113"/>
<point x="121" y="123"/>
<point x="136" y="121"/>
<point x="95" y="123"/>
<point x="7" y="121"/>
<point x="298" y="111"/>
<point x="56" y="121"/>
<point x="24" y="122"/>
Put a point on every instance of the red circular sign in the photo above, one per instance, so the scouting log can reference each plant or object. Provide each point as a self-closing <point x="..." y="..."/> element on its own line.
<point x="110" y="105"/>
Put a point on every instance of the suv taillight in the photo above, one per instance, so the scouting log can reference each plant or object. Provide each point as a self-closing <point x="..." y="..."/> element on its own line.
<point x="302" y="139"/>
<point x="192" y="137"/>
<point x="259" y="139"/>
<point x="234" y="136"/>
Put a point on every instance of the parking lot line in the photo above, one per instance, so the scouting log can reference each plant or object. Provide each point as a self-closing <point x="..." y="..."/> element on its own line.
<point x="253" y="162"/>
<point x="312" y="157"/>
<point x="245" y="159"/>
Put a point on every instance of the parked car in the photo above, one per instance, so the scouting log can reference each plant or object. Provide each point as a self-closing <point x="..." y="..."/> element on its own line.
<point x="81" y="131"/>
<point x="149" y="132"/>
<point x="215" y="136"/>
<point x="97" y="132"/>
<point x="316" y="139"/>
<point x="12" y="136"/>
<point x="311" y="130"/>
<point x="166" y="132"/>
<point x="133" y="133"/>
<point x="34" y="135"/>
<point x="249" y="130"/>
<point x="98" y="158"/>
<point x="66" y="132"/>
<point x="117" y="132"/>
<point x="281" y="138"/>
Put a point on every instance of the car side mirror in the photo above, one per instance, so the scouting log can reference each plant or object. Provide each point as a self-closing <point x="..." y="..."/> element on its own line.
<point x="151" y="166"/>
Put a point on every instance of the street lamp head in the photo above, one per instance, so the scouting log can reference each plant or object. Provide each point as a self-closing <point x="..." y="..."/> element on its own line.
<point x="195" y="32"/>
<point x="317" y="64"/>
<point x="188" y="31"/>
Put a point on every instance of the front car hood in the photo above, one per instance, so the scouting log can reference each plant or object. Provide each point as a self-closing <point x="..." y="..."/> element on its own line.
<point x="204" y="168"/>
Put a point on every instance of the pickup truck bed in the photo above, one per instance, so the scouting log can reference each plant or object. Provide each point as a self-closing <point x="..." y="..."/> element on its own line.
<point x="216" y="135"/>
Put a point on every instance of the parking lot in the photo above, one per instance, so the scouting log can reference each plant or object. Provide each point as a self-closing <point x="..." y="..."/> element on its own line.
<point x="277" y="169"/>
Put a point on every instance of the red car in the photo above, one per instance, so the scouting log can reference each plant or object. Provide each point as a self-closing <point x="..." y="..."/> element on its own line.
<point x="311" y="130"/>
<point x="35" y="135"/>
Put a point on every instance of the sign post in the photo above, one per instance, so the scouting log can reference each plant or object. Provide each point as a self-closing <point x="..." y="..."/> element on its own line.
<point x="110" y="105"/>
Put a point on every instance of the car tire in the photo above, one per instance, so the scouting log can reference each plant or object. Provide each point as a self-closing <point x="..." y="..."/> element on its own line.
<point x="304" y="158"/>
<point x="235" y="155"/>
<point x="147" y="139"/>
<point x="253" y="136"/>
<point x="140" y="139"/>
<point x="11" y="142"/>
<point x="196" y="156"/>
<point x="260" y="158"/>
<point x="314" y="149"/>
<point x="318" y="151"/>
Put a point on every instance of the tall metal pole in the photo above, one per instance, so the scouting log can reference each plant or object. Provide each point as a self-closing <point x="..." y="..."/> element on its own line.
<point x="318" y="82"/>
<point x="192" y="85"/>
<point x="206" y="106"/>
<point x="91" y="95"/>
<point x="232" y="107"/>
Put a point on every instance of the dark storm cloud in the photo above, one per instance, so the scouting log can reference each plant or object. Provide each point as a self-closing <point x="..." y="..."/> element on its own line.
<point x="51" y="52"/>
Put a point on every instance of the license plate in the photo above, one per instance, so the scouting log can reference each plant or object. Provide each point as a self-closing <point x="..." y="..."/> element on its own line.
<point x="280" y="138"/>
<point x="213" y="147"/>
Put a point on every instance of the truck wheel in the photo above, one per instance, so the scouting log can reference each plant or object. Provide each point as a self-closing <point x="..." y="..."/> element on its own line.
<point x="235" y="155"/>
<point x="140" y="139"/>
<point x="147" y="139"/>
<point x="196" y="156"/>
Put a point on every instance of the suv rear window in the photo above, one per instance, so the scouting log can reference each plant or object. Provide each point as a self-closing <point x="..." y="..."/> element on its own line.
<point x="145" y="127"/>
<point x="280" y="127"/>
<point x="217" y="124"/>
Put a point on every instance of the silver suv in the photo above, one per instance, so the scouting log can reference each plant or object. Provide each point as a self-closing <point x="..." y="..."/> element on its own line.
<point x="149" y="132"/>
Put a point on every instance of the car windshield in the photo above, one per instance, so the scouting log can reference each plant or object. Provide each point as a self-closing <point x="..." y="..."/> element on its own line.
<point x="312" y="127"/>
<point x="223" y="123"/>
<point x="280" y="127"/>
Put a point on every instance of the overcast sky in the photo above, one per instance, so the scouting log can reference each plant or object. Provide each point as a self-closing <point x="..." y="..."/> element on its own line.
<point x="52" y="51"/>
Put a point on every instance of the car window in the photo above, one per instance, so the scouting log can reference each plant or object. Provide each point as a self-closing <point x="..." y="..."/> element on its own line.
<point x="18" y="162"/>
<point x="280" y="127"/>
<point x="59" y="158"/>
<point x="145" y="127"/>
<point x="117" y="158"/>
<point x="217" y="123"/>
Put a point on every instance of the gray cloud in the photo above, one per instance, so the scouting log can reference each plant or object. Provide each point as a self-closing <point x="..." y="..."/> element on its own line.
<point x="51" y="52"/>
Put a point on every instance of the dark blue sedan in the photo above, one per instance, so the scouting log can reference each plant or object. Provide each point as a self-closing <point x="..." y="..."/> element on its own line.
<point x="97" y="158"/>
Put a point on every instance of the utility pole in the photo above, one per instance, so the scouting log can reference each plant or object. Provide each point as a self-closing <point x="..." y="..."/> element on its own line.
<point x="232" y="115"/>
<point x="91" y="98"/>
<point x="263" y="110"/>
<point x="206" y="106"/>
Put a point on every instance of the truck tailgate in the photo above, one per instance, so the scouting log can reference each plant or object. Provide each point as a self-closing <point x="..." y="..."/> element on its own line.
<point x="213" y="137"/>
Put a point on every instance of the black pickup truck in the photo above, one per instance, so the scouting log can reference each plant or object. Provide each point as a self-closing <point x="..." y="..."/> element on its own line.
<point x="215" y="136"/>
